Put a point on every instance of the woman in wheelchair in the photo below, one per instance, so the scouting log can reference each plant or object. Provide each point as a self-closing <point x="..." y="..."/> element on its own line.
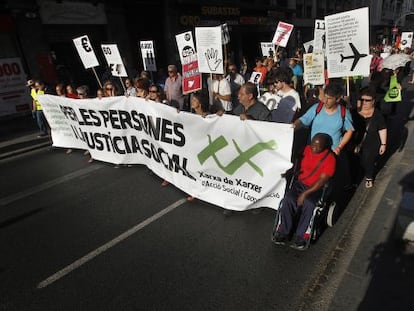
<point x="316" y="168"/>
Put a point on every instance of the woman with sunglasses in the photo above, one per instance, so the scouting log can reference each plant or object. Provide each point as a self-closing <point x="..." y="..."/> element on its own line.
<point x="109" y="89"/>
<point x="371" y="134"/>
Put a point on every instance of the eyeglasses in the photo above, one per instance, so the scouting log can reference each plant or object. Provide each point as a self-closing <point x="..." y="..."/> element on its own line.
<point x="153" y="91"/>
<point x="365" y="100"/>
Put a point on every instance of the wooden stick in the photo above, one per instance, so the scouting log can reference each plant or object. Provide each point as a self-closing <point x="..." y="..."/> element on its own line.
<point x="96" y="76"/>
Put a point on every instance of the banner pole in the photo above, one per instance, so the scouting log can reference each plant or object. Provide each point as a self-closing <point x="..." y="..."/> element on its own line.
<point x="347" y="86"/>
<point x="211" y="90"/>
<point x="122" y="83"/>
<point x="96" y="76"/>
<point x="225" y="59"/>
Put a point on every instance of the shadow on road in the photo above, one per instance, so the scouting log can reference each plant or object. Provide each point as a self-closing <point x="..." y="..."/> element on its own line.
<point x="392" y="269"/>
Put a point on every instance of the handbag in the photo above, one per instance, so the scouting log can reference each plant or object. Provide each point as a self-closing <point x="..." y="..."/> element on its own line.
<point x="394" y="93"/>
<point x="357" y="149"/>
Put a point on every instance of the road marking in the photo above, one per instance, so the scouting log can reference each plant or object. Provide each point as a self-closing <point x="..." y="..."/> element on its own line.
<point x="20" y="195"/>
<point x="88" y="257"/>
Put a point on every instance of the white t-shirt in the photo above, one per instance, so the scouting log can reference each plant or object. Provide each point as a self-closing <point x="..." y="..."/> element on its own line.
<point x="270" y="100"/>
<point x="222" y="88"/>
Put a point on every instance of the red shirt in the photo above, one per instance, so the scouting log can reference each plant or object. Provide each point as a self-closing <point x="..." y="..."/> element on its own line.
<point x="310" y="160"/>
<point x="72" y="95"/>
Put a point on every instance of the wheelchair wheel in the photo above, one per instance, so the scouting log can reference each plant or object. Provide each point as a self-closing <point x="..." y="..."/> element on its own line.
<point x="330" y="220"/>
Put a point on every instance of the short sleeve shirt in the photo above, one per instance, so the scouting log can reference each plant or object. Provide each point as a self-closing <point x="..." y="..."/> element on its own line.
<point x="310" y="160"/>
<point x="330" y="124"/>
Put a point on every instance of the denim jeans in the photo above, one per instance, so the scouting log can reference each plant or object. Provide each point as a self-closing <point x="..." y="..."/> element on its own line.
<point x="41" y="122"/>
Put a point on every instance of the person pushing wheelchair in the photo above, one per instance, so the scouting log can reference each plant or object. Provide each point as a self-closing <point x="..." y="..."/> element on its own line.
<point x="317" y="167"/>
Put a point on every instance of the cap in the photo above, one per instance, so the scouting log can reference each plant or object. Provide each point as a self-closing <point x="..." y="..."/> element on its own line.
<point x="30" y="83"/>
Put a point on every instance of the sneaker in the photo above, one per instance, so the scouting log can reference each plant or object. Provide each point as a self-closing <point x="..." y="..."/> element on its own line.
<point x="279" y="239"/>
<point x="300" y="245"/>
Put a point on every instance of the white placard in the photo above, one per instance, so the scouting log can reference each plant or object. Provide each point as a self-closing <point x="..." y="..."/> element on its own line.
<point x="114" y="60"/>
<point x="282" y="34"/>
<point x="209" y="49"/>
<point x="347" y="43"/>
<point x="255" y="77"/>
<point x="185" y="44"/>
<point x="148" y="55"/>
<point x="313" y="68"/>
<point x="308" y="46"/>
<point x="223" y="160"/>
<point x="86" y="52"/>
<point x="267" y="48"/>
<point x="319" y="42"/>
<point x="406" y="40"/>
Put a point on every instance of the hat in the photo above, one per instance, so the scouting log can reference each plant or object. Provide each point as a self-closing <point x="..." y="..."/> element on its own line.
<point x="30" y="83"/>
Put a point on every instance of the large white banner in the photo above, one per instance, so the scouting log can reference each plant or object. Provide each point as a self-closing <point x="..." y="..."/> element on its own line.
<point x="114" y="60"/>
<point x="222" y="160"/>
<point x="86" y="52"/>
<point x="347" y="43"/>
<point x="209" y="49"/>
<point x="314" y="68"/>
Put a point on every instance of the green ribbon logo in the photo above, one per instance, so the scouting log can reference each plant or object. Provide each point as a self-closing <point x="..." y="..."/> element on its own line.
<point x="243" y="157"/>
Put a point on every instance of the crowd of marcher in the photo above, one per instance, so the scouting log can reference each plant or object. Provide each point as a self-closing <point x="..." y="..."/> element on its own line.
<point x="342" y="125"/>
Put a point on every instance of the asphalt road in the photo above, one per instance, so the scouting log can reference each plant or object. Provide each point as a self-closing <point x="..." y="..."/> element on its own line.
<point x="79" y="236"/>
<point x="56" y="209"/>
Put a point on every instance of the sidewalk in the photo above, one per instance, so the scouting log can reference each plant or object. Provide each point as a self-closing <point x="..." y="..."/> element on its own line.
<point x="19" y="135"/>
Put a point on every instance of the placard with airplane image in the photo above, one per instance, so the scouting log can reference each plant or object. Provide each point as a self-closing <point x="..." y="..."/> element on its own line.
<point x="347" y="43"/>
<point x="114" y="60"/>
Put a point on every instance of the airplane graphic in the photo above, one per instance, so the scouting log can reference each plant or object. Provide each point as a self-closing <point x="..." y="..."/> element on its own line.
<point x="356" y="56"/>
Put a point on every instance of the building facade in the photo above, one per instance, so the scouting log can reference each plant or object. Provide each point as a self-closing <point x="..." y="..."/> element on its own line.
<point x="40" y="32"/>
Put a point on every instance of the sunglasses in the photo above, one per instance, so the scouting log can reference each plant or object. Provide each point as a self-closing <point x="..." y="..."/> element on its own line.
<point x="365" y="100"/>
<point x="108" y="88"/>
<point x="153" y="91"/>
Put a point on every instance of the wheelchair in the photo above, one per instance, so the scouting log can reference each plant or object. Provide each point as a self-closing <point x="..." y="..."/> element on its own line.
<point x="323" y="214"/>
